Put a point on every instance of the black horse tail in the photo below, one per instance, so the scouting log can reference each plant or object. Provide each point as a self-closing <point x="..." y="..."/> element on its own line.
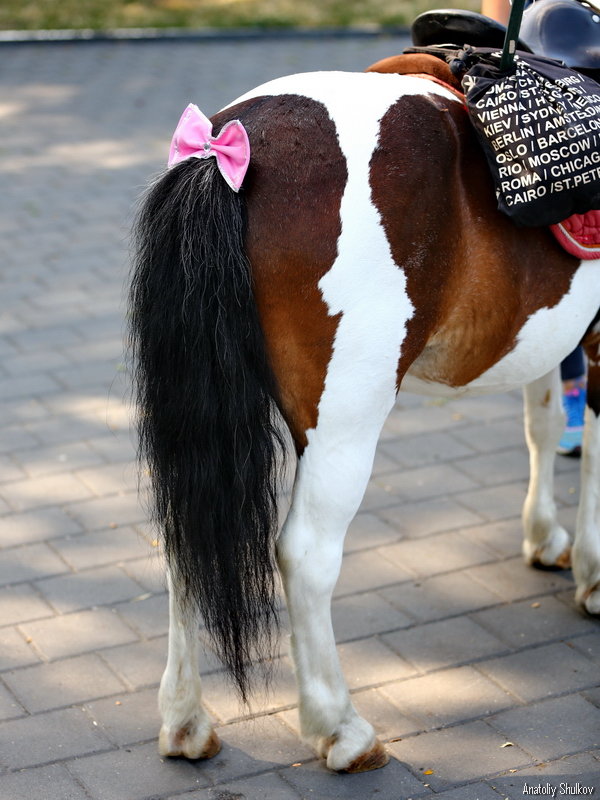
<point x="206" y="403"/>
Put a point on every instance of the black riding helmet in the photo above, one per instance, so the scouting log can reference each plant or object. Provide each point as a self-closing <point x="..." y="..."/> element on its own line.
<point x="567" y="30"/>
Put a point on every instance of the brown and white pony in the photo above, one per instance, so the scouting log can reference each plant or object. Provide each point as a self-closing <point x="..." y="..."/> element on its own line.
<point x="364" y="255"/>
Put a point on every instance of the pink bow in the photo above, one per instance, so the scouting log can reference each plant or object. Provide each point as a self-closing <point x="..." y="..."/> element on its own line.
<point x="193" y="139"/>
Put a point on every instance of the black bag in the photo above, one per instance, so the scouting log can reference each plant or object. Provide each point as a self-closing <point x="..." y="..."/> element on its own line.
<point x="539" y="124"/>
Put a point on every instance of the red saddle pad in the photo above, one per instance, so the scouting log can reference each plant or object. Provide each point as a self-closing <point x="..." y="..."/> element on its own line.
<point x="580" y="234"/>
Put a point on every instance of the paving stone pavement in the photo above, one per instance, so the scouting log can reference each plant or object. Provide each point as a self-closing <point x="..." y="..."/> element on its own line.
<point x="479" y="673"/>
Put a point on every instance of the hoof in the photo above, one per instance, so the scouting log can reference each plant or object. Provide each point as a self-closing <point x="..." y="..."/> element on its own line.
<point x="375" y="758"/>
<point x="590" y="600"/>
<point x="549" y="556"/>
<point x="186" y="743"/>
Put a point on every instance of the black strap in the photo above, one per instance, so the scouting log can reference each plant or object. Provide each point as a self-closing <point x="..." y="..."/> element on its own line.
<point x="512" y="34"/>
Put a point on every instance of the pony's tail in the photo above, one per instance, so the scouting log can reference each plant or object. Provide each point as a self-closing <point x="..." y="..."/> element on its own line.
<point x="205" y="394"/>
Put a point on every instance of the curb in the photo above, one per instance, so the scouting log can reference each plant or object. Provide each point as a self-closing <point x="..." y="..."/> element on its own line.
<point x="143" y="35"/>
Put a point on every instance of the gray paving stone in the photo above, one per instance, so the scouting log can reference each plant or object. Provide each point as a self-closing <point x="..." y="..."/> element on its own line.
<point x="532" y="622"/>
<point x="35" y="526"/>
<point x="444" y="644"/>
<point x="40" y="361"/>
<point x="425" y="482"/>
<point x="21" y="603"/>
<point x="15" y="437"/>
<point x="412" y="421"/>
<point x="502" y="466"/>
<point x="9" y="470"/>
<point x="355" y="616"/>
<point x="62" y="683"/>
<point x="368" y="530"/>
<point x="139" y="664"/>
<point x="553" y="728"/>
<point x="365" y="571"/>
<point x="447" y="697"/>
<point x="45" y="738"/>
<point x="443" y="552"/>
<point x="489" y="407"/>
<point x="224" y="703"/>
<point x="474" y="791"/>
<point x="27" y="385"/>
<point x="113" y="448"/>
<point x="149" y="572"/>
<point x="440" y="596"/>
<point x="389" y="721"/>
<point x="368" y="661"/>
<point x="103" y="547"/>
<point x="110" y="479"/>
<point x="92" y="587"/>
<point x="253" y="746"/>
<point x="57" y="458"/>
<point x="514" y="580"/>
<point x="563" y="776"/>
<point x="496" y="503"/>
<point x="136" y="773"/>
<point x="51" y="490"/>
<point x="314" y="780"/>
<point x="105" y="511"/>
<point x="426" y="448"/>
<point x="542" y="671"/>
<point x="590" y="645"/>
<point x="80" y="632"/>
<point x="9" y="707"/>
<point x="492" y="435"/>
<point x="14" y="650"/>
<point x="457" y="755"/>
<point x="149" y="616"/>
<point x="127" y="719"/>
<point x="51" y="783"/>
<point x="18" y="564"/>
<point x="504" y="538"/>
<point x="426" y="517"/>
<point x="262" y="787"/>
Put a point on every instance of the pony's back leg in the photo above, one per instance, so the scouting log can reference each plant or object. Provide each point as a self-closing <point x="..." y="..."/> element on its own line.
<point x="586" y="547"/>
<point x="332" y="475"/>
<point x="545" y="541"/>
<point x="186" y="727"/>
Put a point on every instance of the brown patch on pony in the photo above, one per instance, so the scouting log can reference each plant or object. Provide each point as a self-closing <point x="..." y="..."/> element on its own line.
<point x="472" y="275"/>
<point x="375" y="758"/>
<point x="418" y="64"/>
<point x="293" y="193"/>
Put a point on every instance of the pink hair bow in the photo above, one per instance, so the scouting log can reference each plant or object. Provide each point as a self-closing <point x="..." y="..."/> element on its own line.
<point x="193" y="139"/>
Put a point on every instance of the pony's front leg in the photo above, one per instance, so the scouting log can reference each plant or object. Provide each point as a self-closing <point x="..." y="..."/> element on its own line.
<point x="332" y="476"/>
<point x="545" y="541"/>
<point x="586" y="547"/>
<point x="187" y="729"/>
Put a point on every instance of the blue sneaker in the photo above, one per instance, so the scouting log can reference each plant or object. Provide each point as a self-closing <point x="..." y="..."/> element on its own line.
<point x="574" y="404"/>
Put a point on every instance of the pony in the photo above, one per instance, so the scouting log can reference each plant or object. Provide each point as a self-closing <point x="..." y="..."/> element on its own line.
<point x="363" y="255"/>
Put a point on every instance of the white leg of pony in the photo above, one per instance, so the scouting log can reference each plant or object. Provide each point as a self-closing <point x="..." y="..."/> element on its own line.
<point x="331" y="479"/>
<point x="187" y="729"/>
<point x="545" y="541"/>
<point x="586" y="548"/>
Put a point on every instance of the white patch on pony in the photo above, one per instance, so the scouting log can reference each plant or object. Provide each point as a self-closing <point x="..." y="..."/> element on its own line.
<point x="545" y="541"/>
<point x="586" y="548"/>
<point x="368" y="289"/>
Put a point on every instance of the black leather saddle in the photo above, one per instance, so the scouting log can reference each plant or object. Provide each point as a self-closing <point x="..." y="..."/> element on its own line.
<point x="457" y="27"/>
<point x="567" y="30"/>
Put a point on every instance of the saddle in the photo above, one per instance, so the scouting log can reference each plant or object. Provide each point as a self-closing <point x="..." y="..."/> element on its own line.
<point x="435" y="31"/>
